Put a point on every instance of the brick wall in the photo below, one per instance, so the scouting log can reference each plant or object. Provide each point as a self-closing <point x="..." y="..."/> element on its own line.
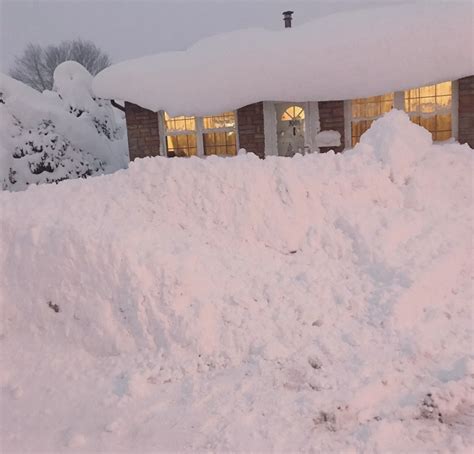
<point x="331" y="117"/>
<point x="142" y="130"/>
<point x="466" y="111"/>
<point x="251" y="133"/>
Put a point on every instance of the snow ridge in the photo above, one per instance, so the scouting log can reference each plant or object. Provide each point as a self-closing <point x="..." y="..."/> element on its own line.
<point x="319" y="302"/>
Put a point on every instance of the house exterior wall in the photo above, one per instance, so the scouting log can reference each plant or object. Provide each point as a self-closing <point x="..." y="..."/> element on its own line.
<point x="331" y="117"/>
<point x="251" y="129"/>
<point x="466" y="111"/>
<point x="142" y="131"/>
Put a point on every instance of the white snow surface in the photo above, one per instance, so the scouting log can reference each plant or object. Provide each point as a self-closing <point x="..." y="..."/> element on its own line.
<point x="328" y="138"/>
<point x="348" y="55"/>
<point x="315" y="303"/>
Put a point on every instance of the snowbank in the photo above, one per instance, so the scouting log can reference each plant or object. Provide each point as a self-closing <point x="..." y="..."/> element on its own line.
<point x="315" y="303"/>
<point x="55" y="135"/>
<point x="341" y="56"/>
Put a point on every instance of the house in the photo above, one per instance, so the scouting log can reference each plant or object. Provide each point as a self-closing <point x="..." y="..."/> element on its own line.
<point x="277" y="93"/>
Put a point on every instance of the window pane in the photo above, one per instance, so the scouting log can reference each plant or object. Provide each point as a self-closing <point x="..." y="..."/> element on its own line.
<point x="293" y="113"/>
<point x="373" y="107"/>
<point x="182" y="145"/>
<point x="427" y="91"/>
<point x="428" y="123"/>
<point x="443" y="123"/>
<point x="225" y="120"/>
<point x="444" y="102"/>
<point x="444" y="88"/>
<point x="358" y="128"/>
<point x="220" y="143"/>
<point x="442" y="135"/>
<point x="180" y="123"/>
<point x="430" y="107"/>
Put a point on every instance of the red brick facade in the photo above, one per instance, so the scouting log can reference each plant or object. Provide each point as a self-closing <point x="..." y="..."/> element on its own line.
<point x="144" y="136"/>
<point x="331" y="117"/>
<point x="250" y="125"/>
<point x="142" y="130"/>
<point x="466" y="111"/>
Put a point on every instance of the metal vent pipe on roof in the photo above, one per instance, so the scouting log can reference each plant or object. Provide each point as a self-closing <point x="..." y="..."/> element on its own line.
<point x="287" y="18"/>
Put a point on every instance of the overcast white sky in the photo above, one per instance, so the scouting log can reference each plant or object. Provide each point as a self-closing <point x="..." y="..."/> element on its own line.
<point x="132" y="28"/>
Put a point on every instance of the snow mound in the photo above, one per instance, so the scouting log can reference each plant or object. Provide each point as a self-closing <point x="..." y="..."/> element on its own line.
<point x="397" y="143"/>
<point x="55" y="135"/>
<point x="341" y="56"/>
<point x="311" y="303"/>
<point x="74" y="83"/>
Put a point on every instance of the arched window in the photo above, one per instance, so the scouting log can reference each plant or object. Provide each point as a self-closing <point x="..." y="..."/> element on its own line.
<point x="293" y="113"/>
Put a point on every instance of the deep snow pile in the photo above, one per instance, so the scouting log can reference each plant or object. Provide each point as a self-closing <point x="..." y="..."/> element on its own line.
<point x="55" y="135"/>
<point x="314" y="303"/>
<point x="341" y="56"/>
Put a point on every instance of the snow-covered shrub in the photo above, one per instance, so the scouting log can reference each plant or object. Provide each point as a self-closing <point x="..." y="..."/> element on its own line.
<point x="41" y="155"/>
<point x="57" y="135"/>
<point x="73" y="84"/>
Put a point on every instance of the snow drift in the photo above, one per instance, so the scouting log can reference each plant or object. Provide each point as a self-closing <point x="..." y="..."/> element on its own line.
<point x="314" y="303"/>
<point x="56" y="135"/>
<point x="341" y="56"/>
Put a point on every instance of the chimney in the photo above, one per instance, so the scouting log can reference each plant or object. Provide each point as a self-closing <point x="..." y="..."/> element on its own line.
<point x="287" y="18"/>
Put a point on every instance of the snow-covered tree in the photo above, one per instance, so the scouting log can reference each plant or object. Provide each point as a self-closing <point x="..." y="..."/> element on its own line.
<point x="36" y="65"/>
<point x="56" y="135"/>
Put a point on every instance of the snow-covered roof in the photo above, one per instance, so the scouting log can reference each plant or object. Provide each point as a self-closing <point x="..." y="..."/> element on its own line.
<point x="341" y="56"/>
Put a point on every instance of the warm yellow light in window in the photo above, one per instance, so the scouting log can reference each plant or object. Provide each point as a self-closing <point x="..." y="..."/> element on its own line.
<point x="225" y="120"/>
<point x="429" y="99"/>
<point x="430" y="107"/>
<point x="180" y="123"/>
<point x="293" y="113"/>
<point x="181" y="145"/>
<point x="372" y="107"/>
<point x="220" y="143"/>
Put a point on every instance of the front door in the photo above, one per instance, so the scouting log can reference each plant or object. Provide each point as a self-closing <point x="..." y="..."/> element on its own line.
<point x="290" y="128"/>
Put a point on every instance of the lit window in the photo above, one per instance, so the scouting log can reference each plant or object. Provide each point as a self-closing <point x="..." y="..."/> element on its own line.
<point x="220" y="143"/>
<point x="191" y="136"/>
<point x="180" y="123"/>
<point x="226" y="120"/>
<point x="180" y="136"/>
<point x="219" y="135"/>
<point x="293" y="113"/>
<point x="365" y="111"/>
<point x="431" y="107"/>
<point x="182" y="145"/>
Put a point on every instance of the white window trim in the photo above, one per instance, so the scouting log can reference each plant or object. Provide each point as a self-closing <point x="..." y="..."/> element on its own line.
<point x="455" y="109"/>
<point x="399" y="103"/>
<point x="199" y="132"/>
<point x="347" y="124"/>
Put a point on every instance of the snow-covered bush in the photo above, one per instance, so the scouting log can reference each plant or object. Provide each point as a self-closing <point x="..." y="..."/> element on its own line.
<point x="57" y="135"/>
<point x="72" y="83"/>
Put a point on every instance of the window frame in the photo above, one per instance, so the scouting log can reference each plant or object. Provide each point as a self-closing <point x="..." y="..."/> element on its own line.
<point x="199" y="132"/>
<point x="399" y="103"/>
<point x="352" y="119"/>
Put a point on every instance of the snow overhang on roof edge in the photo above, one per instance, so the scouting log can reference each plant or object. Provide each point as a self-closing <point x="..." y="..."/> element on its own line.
<point x="342" y="56"/>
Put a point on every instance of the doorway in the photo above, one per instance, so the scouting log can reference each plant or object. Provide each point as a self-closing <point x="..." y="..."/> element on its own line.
<point x="290" y="128"/>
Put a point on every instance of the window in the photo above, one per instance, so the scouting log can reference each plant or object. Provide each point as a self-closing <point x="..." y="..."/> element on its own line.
<point x="365" y="110"/>
<point x="180" y="136"/>
<point x="293" y="113"/>
<point x="201" y="136"/>
<point x="220" y="143"/>
<point x="431" y="107"/>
